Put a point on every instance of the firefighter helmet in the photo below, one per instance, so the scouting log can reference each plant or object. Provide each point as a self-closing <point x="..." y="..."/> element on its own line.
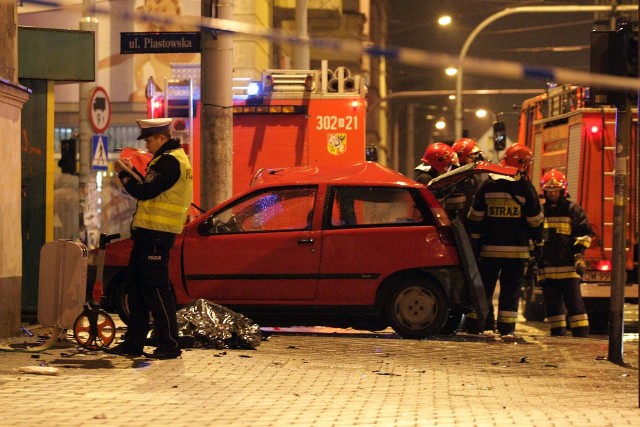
<point x="440" y="156"/>
<point x="467" y="149"/>
<point x="518" y="156"/>
<point x="554" y="180"/>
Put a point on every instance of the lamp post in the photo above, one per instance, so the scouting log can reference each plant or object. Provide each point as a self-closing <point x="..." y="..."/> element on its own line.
<point x="481" y="113"/>
<point x="510" y="11"/>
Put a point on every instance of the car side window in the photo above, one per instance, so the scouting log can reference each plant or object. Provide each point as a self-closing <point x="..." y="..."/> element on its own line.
<point x="370" y="206"/>
<point x="272" y="209"/>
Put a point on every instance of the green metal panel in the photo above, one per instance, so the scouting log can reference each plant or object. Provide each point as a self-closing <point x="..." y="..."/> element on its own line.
<point x="52" y="54"/>
<point x="34" y="156"/>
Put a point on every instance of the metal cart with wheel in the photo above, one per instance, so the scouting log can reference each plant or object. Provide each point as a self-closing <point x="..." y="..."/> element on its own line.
<point x="94" y="328"/>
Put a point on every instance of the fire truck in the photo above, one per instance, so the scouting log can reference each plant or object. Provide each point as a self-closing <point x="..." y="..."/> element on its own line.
<point x="287" y="118"/>
<point x="566" y="133"/>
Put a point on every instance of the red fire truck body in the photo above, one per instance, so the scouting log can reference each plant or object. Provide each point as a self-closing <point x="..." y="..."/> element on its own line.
<point x="579" y="141"/>
<point x="293" y="118"/>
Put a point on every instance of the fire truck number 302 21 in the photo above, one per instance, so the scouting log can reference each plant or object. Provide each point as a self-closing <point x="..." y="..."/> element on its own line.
<point x="337" y="123"/>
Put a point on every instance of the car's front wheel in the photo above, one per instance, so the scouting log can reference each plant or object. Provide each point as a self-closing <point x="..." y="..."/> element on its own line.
<point x="417" y="308"/>
<point x="122" y="304"/>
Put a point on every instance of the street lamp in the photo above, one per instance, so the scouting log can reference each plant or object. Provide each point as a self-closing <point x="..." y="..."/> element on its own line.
<point x="481" y="113"/>
<point x="444" y="20"/>
<point x="510" y="11"/>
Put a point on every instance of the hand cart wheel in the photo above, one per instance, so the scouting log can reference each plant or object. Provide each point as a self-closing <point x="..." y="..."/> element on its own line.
<point x="90" y="337"/>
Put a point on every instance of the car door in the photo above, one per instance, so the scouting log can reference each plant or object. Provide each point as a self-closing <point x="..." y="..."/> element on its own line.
<point x="260" y="248"/>
<point x="371" y="232"/>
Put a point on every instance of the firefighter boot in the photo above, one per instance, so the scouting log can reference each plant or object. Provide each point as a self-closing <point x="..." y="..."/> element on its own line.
<point x="580" y="332"/>
<point x="579" y="324"/>
<point x="470" y="324"/>
<point x="558" y="325"/>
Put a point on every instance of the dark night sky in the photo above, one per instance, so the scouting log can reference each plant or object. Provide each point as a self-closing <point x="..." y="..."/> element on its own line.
<point x="524" y="38"/>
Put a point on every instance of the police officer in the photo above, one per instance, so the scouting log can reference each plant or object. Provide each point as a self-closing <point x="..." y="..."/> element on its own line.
<point x="504" y="216"/>
<point x="438" y="158"/>
<point x="163" y="198"/>
<point x="567" y="235"/>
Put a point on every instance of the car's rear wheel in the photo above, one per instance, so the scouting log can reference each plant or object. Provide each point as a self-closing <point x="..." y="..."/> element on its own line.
<point x="417" y="308"/>
<point x="122" y="305"/>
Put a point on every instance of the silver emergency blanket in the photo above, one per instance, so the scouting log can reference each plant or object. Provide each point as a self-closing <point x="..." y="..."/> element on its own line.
<point x="214" y="326"/>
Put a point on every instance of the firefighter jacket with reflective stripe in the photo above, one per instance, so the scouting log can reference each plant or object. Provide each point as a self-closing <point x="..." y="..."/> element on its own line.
<point x="504" y="215"/>
<point x="166" y="192"/>
<point x="423" y="173"/>
<point x="454" y="198"/>
<point x="566" y="233"/>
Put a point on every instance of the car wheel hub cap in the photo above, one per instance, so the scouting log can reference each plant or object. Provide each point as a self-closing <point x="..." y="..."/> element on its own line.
<point x="415" y="308"/>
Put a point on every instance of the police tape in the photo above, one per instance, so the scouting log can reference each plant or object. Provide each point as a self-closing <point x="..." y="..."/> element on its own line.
<point x="407" y="56"/>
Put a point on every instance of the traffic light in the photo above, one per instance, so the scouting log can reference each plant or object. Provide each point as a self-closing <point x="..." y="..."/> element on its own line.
<point x="67" y="160"/>
<point x="499" y="136"/>
<point x="614" y="53"/>
<point x="371" y="153"/>
<point x="155" y="107"/>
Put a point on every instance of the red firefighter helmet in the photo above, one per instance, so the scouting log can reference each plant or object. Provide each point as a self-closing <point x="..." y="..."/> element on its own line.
<point x="554" y="180"/>
<point x="439" y="156"/>
<point x="518" y="156"/>
<point x="466" y="149"/>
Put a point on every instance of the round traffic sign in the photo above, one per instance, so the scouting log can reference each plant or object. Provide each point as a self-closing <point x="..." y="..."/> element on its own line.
<point x="99" y="109"/>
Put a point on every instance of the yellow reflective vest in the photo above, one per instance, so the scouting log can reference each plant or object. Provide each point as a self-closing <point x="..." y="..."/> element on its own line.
<point x="168" y="211"/>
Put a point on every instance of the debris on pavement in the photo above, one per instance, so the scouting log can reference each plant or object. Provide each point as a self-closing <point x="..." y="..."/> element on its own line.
<point x="39" y="370"/>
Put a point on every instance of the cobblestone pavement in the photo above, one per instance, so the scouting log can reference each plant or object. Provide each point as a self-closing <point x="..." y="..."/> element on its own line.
<point x="321" y="377"/>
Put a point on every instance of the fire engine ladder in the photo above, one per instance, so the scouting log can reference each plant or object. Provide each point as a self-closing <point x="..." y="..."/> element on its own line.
<point x="607" y="197"/>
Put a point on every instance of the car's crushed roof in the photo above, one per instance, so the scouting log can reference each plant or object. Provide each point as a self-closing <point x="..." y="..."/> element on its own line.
<point x="354" y="174"/>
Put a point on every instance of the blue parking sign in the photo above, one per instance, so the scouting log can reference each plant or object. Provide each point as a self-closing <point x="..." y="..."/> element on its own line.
<point x="100" y="153"/>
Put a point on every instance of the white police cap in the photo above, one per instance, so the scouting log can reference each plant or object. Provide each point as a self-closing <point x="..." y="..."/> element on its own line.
<point x="149" y="127"/>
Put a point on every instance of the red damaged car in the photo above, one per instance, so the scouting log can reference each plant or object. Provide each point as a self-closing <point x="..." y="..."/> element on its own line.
<point x="360" y="246"/>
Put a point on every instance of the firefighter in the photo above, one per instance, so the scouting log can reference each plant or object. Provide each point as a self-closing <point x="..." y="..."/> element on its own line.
<point x="504" y="217"/>
<point x="567" y="235"/>
<point x="163" y="199"/>
<point x="459" y="203"/>
<point x="438" y="158"/>
<point x="468" y="151"/>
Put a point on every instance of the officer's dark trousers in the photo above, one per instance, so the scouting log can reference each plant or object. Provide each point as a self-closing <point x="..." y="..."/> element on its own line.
<point x="510" y="271"/>
<point x="150" y="292"/>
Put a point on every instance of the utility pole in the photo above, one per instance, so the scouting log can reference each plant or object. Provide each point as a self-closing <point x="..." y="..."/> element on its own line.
<point x="379" y="15"/>
<point x="216" y="129"/>
<point x="88" y="23"/>
<point x="301" y="56"/>
<point x="620" y="196"/>
<point x="637" y="141"/>
<point x="637" y="190"/>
